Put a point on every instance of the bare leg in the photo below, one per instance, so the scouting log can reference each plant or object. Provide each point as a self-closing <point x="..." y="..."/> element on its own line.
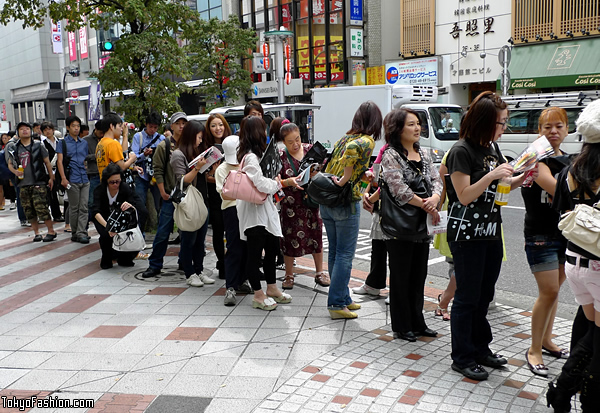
<point x="318" y="257"/>
<point x="543" y="309"/>
<point x="448" y="293"/>
<point x="289" y="265"/>
<point x="35" y="226"/>
<point x="50" y="226"/>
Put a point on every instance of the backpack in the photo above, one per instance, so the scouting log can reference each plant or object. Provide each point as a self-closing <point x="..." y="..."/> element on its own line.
<point x="5" y="173"/>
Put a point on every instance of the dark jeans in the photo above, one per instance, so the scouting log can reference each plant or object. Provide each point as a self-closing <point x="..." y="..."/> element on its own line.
<point x="217" y="224"/>
<point x="108" y="254"/>
<point x="258" y="238"/>
<point x="192" y="250"/>
<point x="94" y="182"/>
<point x="477" y="267"/>
<point x="378" y="271"/>
<point x="408" y="271"/>
<point x="20" y="211"/>
<point x="235" y="257"/>
<point x="53" y="202"/>
<point x="141" y="189"/>
<point x="161" y="240"/>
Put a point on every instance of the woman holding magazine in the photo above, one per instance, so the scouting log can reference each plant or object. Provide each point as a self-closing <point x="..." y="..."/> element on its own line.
<point x="302" y="225"/>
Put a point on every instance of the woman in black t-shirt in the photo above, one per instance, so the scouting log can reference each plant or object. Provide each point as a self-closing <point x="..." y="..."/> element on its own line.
<point x="475" y="165"/>
<point x="580" y="184"/>
<point x="544" y="245"/>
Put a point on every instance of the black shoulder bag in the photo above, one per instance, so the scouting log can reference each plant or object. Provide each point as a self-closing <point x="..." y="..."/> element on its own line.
<point x="404" y="222"/>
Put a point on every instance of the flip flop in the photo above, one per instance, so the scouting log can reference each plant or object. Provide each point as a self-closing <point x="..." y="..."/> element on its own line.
<point x="284" y="298"/>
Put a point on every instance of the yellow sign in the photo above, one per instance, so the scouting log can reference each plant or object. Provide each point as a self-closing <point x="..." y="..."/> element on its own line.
<point x="318" y="57"/>
<point x="376" y="75"/>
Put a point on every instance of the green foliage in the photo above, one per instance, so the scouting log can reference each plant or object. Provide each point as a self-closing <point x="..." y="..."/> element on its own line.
<point x="215" y="52"/>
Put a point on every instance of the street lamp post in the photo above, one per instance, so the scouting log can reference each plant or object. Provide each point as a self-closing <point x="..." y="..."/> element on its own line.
<point x="279" y="36"/>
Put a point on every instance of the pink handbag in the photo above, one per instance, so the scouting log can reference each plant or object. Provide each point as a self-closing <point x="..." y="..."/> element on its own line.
<point x="238" y="186"/>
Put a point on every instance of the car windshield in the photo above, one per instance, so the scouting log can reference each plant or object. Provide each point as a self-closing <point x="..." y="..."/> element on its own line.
<point x="446" y="122"/>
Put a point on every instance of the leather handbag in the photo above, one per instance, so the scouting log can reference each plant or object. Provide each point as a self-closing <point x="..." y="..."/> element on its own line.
<point x="582" y="227"/>
<point x="191" y="212"/>
<point x="129" y="240"/>
<point x="324" y="191"/>
<point x="238" y="185"/>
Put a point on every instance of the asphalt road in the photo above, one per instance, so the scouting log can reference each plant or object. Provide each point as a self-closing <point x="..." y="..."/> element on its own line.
<point x="516" y="285"/>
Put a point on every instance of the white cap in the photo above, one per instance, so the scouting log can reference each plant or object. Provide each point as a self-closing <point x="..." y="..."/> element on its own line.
<point x="230" y="146"/>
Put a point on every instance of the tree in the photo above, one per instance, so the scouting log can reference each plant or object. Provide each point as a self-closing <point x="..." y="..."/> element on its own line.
<point x="215" y="52"/>
<point x="147" y="58"/>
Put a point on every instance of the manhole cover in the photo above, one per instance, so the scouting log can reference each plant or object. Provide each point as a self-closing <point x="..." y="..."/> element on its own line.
<point x="168" y="275"/>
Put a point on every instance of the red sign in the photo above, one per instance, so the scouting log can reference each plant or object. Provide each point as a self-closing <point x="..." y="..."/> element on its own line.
<point x="265" y="49"/>
<point x="72" y="47"/>
<point x="74" y="94"/>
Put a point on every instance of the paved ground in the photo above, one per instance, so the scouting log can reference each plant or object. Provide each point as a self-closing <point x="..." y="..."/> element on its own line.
<point x="69" y="330"/>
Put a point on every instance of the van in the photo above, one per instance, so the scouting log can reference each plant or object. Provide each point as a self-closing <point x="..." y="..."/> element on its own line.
<point x="299" y="113"/>
<point x="440" y="123"/>
<point x="524" y="114"/>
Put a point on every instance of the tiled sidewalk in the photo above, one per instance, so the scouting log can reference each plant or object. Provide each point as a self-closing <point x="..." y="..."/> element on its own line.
<point x="72" y="331"/>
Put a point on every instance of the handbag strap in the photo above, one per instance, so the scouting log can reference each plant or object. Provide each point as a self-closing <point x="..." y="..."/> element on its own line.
<point x="291" y="160"/>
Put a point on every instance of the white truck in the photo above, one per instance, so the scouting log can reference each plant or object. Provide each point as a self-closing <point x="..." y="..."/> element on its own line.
<point x="439" y="122"/>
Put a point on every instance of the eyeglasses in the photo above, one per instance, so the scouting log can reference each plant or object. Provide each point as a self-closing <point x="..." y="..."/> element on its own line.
<point x="117" y="182"/>
<point x="504" y="124"/>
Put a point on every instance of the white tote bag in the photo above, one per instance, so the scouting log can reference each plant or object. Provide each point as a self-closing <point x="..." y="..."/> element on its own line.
<point x="191" y="212"/>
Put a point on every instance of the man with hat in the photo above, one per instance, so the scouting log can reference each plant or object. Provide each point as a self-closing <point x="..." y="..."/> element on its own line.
<point x="165" y="181"/>
<point x="28" y="160"/>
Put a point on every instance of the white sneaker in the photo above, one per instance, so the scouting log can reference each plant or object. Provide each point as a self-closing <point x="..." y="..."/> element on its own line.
<point x="365" y="289"/>
<point x="13" y="206"/>
<point x="195" y="281"/>
<point x="206" y="279"/>
<point x="229" y="297"/>
<point x="387" y="300"/>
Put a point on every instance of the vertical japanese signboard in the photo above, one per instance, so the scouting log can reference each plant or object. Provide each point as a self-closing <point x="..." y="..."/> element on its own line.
<point x="72" y="46"/>
<point x="83" y="41"/>
<point x="356" y="43"/>
<point x="57" y="47"/>
<point x="356" y="12"/>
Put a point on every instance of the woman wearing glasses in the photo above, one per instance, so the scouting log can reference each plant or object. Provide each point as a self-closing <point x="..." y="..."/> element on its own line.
<point x="475" y="165"/>
<point x="113" y="193"/>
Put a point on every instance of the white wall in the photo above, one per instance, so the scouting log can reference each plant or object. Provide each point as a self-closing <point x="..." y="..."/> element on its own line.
<point x="472" y="68"/>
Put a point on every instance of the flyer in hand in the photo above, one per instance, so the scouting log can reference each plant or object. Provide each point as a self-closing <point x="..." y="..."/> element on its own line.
<point x="212" y="155"/>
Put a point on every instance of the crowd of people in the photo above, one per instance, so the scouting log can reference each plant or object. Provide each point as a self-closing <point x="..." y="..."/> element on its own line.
<point x="99" y="174"/>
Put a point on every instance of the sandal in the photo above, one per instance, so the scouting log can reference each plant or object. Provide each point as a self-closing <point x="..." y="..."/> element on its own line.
<point x="288" y="282"/>
<point x="142" y="256"/>
<point x="268" y="304"/>
<point x="322" y="279"/>
<point x="284" y="298"/>
<point x="442" y="312"/>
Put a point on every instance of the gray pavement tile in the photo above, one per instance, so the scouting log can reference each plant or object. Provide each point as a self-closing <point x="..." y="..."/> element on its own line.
<point x="164" y="320"/>
<point x="290" y="311"/>
<point x="142" y="383"/>
<point x="127" y="319"/>
<point x="209" y="365"/>
<point x="72" y="361"/>
<point x="149" y="333"/>
<point x="273" y="351"/>
<point x="257" y="368"/>
<point x="194" y="385"/>
<point x="247" y="321"/>
<point x="31" y="329"/>
<point x="91" y="345"/>
<point x="107" y="308"/>
<point x="92" y="381"/>
<point x="246" y="387"/>
<point x="308" y="351"/>
<point x="232" y="405"/>
<point x="123" y="298"/>
<point x="178" y="347"/>
<point x="179" y="404"/>
<point x="233" y="334"/>
<point x="275" y="335"/>
<point x="129" y="345"/>
<point x="9" y="376"/>
<point x="136" y="308"/>
<point x="222" y="349"/>
<point x="320" y="336"/>
<point x="14" y="342"/>
<point x="19" y="317"/>
<point x="113" y="362"/>
<point x="218" y="309"/>
<point x="178" y="309"/>
<point x="25" y="359"/>
<point x="160" y="363"/>
<point x="203" y="321"/>
<point x="43" y="380"/>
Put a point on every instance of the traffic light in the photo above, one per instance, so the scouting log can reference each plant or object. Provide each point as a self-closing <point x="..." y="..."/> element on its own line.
<point x="107" y="46"/>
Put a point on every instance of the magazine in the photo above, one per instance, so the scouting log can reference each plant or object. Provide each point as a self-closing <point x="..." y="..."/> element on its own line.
<point x="212" y="155"/>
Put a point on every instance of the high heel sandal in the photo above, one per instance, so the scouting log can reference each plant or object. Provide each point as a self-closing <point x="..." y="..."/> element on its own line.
<point x="442" y="312"/>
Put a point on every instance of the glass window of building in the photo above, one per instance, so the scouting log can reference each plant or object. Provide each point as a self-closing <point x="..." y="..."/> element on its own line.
<point x="209" y="9"/>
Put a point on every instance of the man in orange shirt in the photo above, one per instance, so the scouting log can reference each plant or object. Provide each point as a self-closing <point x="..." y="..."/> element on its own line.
<point x="109" y="149"/>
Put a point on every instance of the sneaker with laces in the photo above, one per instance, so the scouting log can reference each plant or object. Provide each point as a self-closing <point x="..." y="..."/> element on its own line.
<point x="195" y="281"/>
<point x="245" y="288"/>
<point x="229" y="297"/>
<point x="365" y="289"/>
<point x="205" y="278"/>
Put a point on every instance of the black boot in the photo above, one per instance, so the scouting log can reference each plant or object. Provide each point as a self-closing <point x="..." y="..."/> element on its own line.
<point x="569" y="382"/>
<point x="590" y="392"/>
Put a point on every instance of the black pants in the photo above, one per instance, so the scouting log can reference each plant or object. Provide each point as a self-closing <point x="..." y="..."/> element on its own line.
<point x="108" y="254"/>
<point x="53" y="202"/>
<point x="235" y="257"/>
<point x="408" y="271"/>
<point x="216" y="222"/>
<point x="259" y="239"/>
<point x="378" y="272"/>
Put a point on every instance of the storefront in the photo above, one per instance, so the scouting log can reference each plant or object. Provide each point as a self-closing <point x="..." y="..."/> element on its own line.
<point x="566" y="65"/>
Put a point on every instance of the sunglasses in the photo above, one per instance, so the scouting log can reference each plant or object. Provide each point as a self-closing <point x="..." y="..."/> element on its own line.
<point x="117" y="182"/>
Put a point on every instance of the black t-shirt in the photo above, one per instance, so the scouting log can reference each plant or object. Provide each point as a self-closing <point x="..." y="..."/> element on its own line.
<point x="540" y="217"/>
<point x="481" y="218"/>
<point x="565" y="200"/>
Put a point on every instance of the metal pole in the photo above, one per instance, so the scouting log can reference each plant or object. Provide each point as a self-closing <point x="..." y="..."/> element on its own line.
<point x="64" y="88"/>
<point x="504" y="76"/>
<point x="279" y="69"/>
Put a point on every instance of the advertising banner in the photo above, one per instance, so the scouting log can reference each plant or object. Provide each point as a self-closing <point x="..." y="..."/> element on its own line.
<point x="57" y="47"/>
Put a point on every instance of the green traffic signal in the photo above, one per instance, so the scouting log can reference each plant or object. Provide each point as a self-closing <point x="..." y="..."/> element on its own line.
<point x="107" y="46"/>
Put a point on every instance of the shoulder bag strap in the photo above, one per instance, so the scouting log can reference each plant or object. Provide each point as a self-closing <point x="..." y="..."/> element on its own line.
<point x="291" y="160"/>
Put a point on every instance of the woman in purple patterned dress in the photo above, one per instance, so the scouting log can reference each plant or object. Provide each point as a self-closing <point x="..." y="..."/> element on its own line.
<point x="301" y="225"/>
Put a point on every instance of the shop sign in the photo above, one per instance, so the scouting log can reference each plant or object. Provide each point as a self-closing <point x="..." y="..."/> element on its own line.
<point x="356" y="13"/>
<point x="356" y="43"/>
<point x="556" y="81"/>
<point x="414" y="72"/>
<point x="270" y="89"/>
<point x="376" y="75"/>
<point x="318" y="58"/>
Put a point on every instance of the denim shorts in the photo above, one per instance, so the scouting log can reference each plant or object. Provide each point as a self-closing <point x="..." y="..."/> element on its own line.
<point x="544" y="253"/>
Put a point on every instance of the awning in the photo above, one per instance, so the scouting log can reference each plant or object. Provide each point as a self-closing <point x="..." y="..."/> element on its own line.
<point x="572" y="64"/>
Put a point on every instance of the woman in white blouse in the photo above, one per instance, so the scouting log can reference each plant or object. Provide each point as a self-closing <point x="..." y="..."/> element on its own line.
<point x="259" y="224"/>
